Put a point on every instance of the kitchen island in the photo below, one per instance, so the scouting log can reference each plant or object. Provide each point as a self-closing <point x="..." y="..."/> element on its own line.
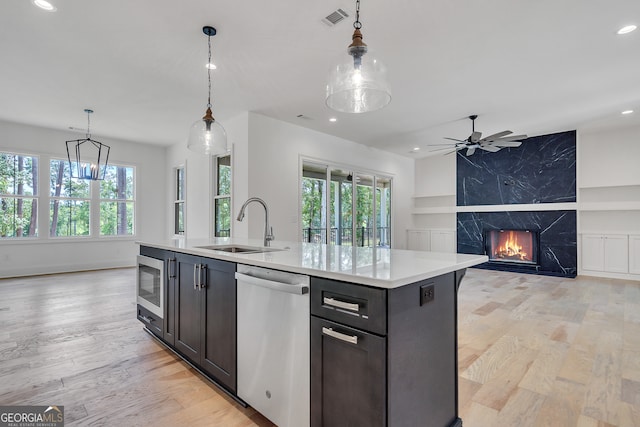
<point x="382" y="328"/>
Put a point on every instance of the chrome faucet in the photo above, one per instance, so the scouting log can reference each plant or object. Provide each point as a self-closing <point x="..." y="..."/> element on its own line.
<point x="268" y="231"/>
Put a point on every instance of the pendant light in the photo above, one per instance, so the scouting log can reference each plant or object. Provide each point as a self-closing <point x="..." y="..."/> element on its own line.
<point x="88" y="158"/>
<point x="207" y="136"/>
<point x="358" y="84"/>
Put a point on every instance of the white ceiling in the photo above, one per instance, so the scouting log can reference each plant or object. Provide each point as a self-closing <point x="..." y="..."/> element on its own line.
<point x="533" y="67"/>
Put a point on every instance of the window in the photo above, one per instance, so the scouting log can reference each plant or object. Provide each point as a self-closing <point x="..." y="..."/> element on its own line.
<point x="329" y="213"/>
<point x="179" y="200"/>
<point x="222" y="199"/>
<point x="117" y="203"/>
<point x="18" y="195"/>
<point x="69" y="203"/>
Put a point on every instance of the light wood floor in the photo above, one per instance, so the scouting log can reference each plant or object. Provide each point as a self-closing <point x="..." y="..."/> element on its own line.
<point x="534" y="351"/>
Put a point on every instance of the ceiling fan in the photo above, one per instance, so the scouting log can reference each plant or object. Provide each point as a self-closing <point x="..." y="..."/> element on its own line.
<point x="491" y="143"/>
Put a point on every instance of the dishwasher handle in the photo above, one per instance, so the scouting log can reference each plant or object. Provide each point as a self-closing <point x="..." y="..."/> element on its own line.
<point x="297" y="289"/>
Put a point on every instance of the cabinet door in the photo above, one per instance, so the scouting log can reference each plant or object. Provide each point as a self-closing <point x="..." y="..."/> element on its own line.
<point x="443" y="241"/>
<point x="218" y="339"/>
<point x="592" y="252"/>
<point x="418" y="240"/>
<point x="187" y="308"/>
<point x="616" y="253"/>
<point x="170" y="297"/>
<point x="634" y="254"/>
<point x="348" y="379"/>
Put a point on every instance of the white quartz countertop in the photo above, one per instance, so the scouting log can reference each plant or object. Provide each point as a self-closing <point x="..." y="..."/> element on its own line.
<point x="382" y="268"/>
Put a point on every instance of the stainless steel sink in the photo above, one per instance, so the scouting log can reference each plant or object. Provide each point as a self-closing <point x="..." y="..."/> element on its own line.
<point x="239" y="249"/>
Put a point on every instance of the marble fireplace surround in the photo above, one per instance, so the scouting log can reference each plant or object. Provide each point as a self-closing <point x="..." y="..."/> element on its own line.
<point x="557" y="231"/>
<point x="531" y="187"/>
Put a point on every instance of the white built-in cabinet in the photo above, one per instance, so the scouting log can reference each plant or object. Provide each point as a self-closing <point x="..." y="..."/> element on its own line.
<point x="614" y="211"/>
<point x="634" y="254"/>
<point x="432" y="240"/>
<point x="605" y="253"/>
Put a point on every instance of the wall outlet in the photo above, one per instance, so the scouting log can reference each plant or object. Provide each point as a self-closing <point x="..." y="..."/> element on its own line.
<point x="427" y="294"/>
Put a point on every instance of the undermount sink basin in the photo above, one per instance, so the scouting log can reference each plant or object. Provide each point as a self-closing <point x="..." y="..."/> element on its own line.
<point x="239" y="249"/>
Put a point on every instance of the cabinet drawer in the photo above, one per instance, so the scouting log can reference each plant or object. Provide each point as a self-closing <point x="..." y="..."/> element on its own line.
<point x="354" y="305"/>
<point x="150" y="320"/>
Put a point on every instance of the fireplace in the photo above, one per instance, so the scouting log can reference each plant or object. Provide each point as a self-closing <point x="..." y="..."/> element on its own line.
<point x="512" y="246"/>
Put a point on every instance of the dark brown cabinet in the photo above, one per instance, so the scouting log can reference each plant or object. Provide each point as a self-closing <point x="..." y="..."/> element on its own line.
<point x="205" y="316"/>
<point x="348" y="376"/>
<point x="384" y="357"/>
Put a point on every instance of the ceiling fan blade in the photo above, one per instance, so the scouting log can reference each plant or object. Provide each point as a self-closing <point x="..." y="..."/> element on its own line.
<point x="489" y="147"/>
<point x="475" y="136"/>
<point x="448" y="144"/>
<point x="497" y="135"/>
<point x="450" y="152"/>
<point x="513" y="138"/>
<point x="471" y="150"/>
<point x="501" y="143"/>
<point x="453" y="139"/>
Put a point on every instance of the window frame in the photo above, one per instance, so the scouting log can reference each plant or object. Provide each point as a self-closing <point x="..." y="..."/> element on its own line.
<point x="88" y="199"/>
<point x="98" y="211"/>
<point x="216" y="190"/>
<point x="179" y="202"/>
<point x="37" y="197"/>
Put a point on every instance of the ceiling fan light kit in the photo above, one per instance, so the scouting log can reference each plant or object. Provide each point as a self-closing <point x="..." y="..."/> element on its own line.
<point x="491" y="143"/>
<point x="358" y="84"/>
<point x="207" y="136"/>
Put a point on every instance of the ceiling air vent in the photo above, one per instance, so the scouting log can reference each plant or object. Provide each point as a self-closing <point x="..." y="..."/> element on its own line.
<point x="334" y="17"/>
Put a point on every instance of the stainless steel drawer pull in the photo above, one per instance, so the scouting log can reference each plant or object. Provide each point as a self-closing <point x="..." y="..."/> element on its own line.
<point x="353" y="339"/>
<point x="341" y="304"/>
<point x="147" y="319"/>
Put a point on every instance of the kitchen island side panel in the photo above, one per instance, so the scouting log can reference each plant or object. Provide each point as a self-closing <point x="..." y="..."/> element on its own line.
<point x="422" y="355"/>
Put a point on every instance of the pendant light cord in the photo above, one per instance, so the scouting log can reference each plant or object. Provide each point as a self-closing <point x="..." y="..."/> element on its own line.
<point x="209" y="73"/>
<point x="357" y="24"/>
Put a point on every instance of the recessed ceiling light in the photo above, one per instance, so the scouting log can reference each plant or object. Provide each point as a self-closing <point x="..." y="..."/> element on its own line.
<point x="44" y="5"/>
<point x="333" y="119"/>
<point x="211" y="66"/>
<point x="627" y="29"/>
<point x="415" y="150"/>
<point x="627" y="112"/>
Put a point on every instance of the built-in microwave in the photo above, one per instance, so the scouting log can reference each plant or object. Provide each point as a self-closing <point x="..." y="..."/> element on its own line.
<point x="150" y="284"/>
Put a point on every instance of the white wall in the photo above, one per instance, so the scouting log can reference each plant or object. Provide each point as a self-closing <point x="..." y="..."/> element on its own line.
<point x="609" y="158"/>
<point x="435" y="177"/>
<point x="200" y="178"/>
<point x="50" y="255"/>
<point x="266" y="160"/>
<point x="273" y="170"/>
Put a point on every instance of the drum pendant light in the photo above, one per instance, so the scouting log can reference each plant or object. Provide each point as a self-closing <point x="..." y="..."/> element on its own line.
<point x="207" y="136"/>
<point x="358" y="84"/>
<point x="88" y="158"/>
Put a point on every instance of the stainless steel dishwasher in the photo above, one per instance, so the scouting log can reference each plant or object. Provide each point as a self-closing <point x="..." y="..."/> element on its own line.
<point x="273" y="344"/>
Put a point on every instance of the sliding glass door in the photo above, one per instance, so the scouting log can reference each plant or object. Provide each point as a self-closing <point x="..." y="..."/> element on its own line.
<point x="340" y="206"/>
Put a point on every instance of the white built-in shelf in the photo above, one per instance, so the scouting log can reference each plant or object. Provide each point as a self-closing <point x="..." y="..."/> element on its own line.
<point x="434" y="210"/>
<point x="609" y="206"/>
<point x="519" y="208"/>
<point x="425" y="196"/>
<point x="595" y="187"/>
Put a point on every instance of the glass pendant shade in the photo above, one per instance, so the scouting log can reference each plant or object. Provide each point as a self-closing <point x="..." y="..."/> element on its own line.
<point x="358" y="84"/>
<point x="207" y="136"/>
